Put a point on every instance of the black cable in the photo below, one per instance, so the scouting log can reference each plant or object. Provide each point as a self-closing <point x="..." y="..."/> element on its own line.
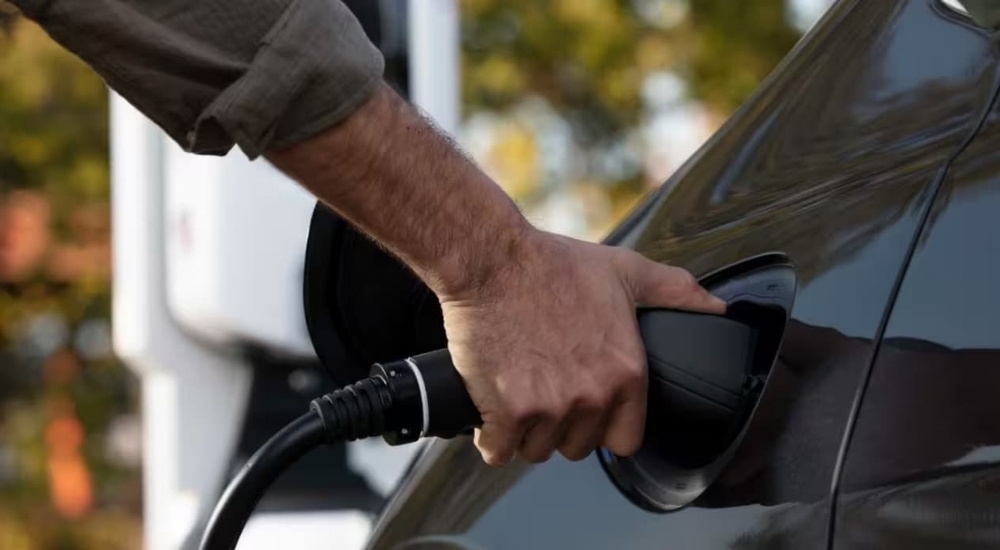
<point x="422" y="396"/>
<point x="281" y="451"/>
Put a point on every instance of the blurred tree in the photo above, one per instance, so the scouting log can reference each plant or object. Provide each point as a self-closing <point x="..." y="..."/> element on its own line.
<point x="733" y="46"/>
<point x="591" y="61"/>
<point x="58" y="392"/>
<point x="55" y="119"/>
<point x="588" y="58"/>
<point x="54" y="228"/>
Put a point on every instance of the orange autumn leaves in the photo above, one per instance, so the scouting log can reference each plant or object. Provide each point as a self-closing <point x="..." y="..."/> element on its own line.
<point x="70" y="483"/>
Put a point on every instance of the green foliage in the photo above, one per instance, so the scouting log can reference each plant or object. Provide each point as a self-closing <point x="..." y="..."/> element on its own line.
<point x="54" y="140"/>
<point x="54" y="117"/>
<point x="733" y="46"/>
<point x="54" y="143"/>
<point x="589" y="59"/>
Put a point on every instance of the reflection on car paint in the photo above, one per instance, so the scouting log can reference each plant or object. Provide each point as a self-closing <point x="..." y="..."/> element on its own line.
<point x="959" y="511"/>
<point x="830" y="162"/>
<point x="923" y="466"/>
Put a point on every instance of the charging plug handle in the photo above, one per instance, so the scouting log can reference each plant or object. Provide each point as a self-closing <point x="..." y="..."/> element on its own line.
<point x="421" y="396"/>
<point x="424" y="396"/>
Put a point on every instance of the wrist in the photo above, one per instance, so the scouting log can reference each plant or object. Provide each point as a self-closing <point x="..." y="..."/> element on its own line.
<point x="484" y="265"/>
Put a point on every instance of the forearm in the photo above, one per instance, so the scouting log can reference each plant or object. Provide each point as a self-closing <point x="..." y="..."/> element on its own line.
<point x="396" y="177"/>
<point x="542" y="328"/>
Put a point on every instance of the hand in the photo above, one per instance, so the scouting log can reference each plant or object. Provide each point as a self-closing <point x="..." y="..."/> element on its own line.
<point x="549" y="347"/>
<point x="542" y="328"/>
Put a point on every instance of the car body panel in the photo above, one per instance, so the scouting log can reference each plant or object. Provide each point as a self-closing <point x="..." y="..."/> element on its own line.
<point x="923" y="465"/>
<point x="831" y="163"/>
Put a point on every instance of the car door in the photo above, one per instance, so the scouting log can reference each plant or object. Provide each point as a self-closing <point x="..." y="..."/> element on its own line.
<point x="831" y="163"/>
<point x="922" y="467"/>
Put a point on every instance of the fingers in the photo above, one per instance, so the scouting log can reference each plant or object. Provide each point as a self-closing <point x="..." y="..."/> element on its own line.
<point x="584" y="434"/>
<point x="540" y="440"/>
<point x="497" y="442"/>
<point x="619" y="428"/>
<point x="535" y="444"/>
<point x="574" y="433"/>
<point x="612" y="415"/>
<point x="627" y="420"/>
<point x="656" y="284"/>
<point x="606" y="408"/>
<point x="626" y="426"/>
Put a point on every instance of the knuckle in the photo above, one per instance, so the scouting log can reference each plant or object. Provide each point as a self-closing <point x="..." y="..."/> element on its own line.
<point x="528" y="414"/>
<point x="623" y="257"/>
<point x="522" y="412"/>
<point x="593" y="400"/>
<point x="638" y="260"/>
<point x="633" y="373"/>
<point x="558" y="410"/>
<point x="629" y="264"/>
<point x="685" y="279"/>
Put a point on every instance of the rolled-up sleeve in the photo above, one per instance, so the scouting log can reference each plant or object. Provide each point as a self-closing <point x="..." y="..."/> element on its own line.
<point x="260" y="74"/>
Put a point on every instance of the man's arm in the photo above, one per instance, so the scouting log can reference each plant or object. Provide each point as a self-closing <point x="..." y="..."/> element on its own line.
<point x="392" y="174"/>
<point x="541" y="327"/>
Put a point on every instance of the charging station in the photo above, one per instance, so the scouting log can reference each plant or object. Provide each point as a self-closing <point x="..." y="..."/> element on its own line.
<point x="208" y="310"/>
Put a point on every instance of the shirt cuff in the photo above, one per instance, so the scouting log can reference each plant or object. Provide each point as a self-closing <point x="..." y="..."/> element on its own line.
<point x="314" y="68"/>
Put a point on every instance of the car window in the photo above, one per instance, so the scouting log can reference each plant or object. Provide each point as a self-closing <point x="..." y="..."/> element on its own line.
<point x="923" y="465"/>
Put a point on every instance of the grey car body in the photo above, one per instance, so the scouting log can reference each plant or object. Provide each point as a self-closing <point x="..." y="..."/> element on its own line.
<point x="869" y="159"/>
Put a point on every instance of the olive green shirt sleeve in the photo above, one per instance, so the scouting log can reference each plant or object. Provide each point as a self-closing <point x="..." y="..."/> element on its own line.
<point x="260" y="74"/>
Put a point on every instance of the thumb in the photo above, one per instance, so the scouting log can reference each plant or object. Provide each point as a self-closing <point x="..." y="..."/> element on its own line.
<point x="659" y="285"/>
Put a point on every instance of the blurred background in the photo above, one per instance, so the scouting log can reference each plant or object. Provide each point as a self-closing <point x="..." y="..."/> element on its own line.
<point x="577" y="107"/>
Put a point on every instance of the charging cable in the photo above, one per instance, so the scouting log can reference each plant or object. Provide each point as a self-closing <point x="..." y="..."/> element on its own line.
<point x="402" y="401"/>
<point x="706" y="375"/>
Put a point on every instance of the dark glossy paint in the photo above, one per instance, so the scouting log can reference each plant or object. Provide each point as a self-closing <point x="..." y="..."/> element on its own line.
<point x="831" y="162"/>
<point x="923" y="468"/>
